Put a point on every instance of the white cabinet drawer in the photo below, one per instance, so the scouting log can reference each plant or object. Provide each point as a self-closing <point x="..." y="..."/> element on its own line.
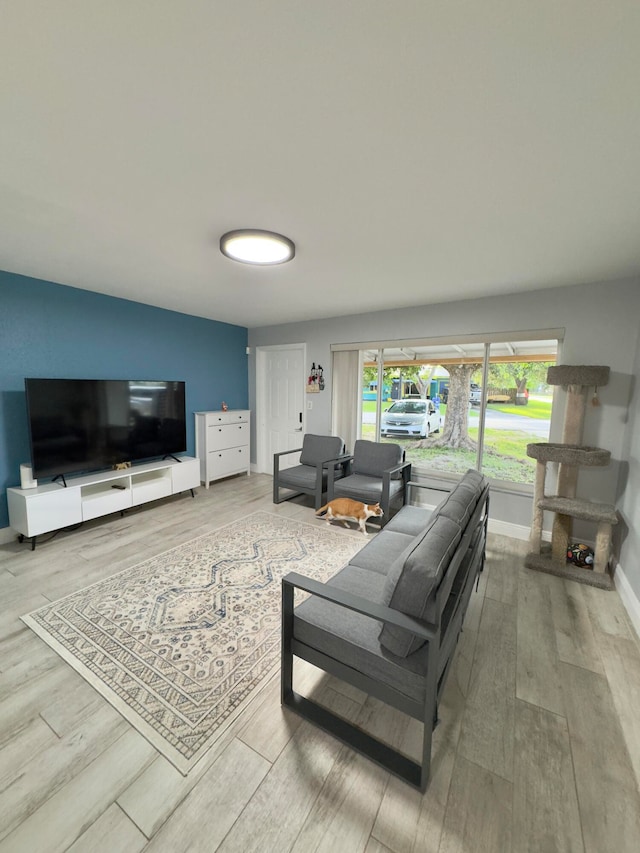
<point x="150" y="486"/>
<point x="224" y="463"/>
<point x="32" y="512"/>
<point x="221" y="418"/>
<point x="221" y="436"/>
<point x="185" y="476"/>
<point x="102" y="498"/>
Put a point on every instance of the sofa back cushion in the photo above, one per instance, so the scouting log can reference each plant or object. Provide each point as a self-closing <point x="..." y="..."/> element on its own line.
<point x="373" y="458"/>
<point x="415" y="577"/>
<point x="463" y="499"/>
<point x="459" y="504"/>
<point x="320" y="448"/>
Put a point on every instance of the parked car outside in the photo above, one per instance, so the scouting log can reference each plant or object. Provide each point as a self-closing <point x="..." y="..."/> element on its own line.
<point x="475" y="394"/>
<point x="411" y="418"/>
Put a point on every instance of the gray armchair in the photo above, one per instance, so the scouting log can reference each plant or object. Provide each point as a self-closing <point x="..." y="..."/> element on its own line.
<point x="320" y="456"/>
<point x="377" y="473"/>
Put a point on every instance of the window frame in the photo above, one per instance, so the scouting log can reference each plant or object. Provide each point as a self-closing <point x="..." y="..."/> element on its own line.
<point x="424" y="473"/>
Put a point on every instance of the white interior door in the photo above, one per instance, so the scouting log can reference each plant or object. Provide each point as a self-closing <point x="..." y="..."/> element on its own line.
<point x="280" y="403"/>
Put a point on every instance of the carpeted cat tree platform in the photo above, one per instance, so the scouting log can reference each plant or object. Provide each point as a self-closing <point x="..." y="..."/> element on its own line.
<point x="570" y="456"/>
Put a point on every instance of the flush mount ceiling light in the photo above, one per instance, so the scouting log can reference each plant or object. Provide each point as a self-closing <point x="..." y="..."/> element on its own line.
<point x="252" y="246"/>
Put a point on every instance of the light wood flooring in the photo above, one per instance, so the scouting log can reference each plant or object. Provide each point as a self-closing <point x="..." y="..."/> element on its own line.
<point x="538" y="748"/>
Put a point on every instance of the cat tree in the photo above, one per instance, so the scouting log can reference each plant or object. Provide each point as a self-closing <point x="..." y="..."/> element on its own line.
<point x="570" y="455"/>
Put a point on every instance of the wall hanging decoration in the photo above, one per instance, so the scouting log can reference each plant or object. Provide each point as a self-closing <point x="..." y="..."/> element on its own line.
<point x="315" y="382"/>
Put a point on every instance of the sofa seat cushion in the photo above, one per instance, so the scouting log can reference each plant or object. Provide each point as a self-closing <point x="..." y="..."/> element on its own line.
<point x="411" y="520"/>
<point x="353" y="639"/>
<point x="415" y="578"/>
<point x="367" y="489"/>
<point x="382" y="552"/>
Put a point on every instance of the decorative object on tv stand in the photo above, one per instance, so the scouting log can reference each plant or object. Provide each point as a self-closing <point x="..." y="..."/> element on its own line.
<point x="26" y="477"/>
<point x="570" y="455"/>
<point x="315" y="383"/>
<point x="224" y="407"/>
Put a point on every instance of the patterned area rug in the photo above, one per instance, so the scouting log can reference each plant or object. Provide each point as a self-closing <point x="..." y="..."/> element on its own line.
<point x="181" y="643"/>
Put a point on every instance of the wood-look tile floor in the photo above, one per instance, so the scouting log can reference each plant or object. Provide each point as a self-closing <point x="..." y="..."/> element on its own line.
<point x="538" y="748"/>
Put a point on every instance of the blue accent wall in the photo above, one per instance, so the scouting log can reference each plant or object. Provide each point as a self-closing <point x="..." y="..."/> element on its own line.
<point x="51" y="330"/>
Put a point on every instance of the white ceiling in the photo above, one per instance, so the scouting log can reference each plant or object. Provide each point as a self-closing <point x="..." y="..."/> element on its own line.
<point x="415" y="151"/>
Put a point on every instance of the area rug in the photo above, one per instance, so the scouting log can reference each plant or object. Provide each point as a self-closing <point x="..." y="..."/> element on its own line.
<point x="181" y="643"/>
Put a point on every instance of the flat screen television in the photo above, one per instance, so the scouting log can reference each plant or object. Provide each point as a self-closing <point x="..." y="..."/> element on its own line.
<point x="92" y="424"/>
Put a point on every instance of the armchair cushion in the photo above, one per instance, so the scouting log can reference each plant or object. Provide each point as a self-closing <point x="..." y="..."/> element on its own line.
<point x="320" y="448"/>
<point x="372" y="458"/>
<point x="365" y="489"/>
<point x="301" y="477"/>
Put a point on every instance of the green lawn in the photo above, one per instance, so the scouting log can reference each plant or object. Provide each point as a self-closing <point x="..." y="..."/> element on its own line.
<point x="505" y="451"/>
<point x="505" y="454"/>
<point x="535" y="408"/>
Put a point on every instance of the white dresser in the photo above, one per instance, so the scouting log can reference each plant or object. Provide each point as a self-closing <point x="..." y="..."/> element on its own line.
<point x="222" y="443"/>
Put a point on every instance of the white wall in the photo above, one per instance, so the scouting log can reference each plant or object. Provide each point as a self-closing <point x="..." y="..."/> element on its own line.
<point x="601" y="327"/>
<point x="627" y="535"/>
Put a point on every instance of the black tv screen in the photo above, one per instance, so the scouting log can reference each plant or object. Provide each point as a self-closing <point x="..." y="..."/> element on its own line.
<point x="89" y="424"/>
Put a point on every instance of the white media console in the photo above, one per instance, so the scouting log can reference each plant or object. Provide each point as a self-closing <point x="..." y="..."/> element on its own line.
<point x="53" y="506"/>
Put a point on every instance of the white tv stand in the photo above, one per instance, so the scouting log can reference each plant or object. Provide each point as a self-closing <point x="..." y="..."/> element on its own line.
<point x="53" y="506"/>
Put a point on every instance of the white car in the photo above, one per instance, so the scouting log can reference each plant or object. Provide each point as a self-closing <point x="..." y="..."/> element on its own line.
<point x="410" y="417"/>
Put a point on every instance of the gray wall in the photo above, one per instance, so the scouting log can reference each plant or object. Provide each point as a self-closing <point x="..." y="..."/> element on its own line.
<point x="601" y="327"/>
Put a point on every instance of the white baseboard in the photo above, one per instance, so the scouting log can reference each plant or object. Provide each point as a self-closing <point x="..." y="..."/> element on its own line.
<point x="628" y="597"/>
<point x="7" y="534"/>
<point x="506" y="528"/>
<point x="515" y="531"/>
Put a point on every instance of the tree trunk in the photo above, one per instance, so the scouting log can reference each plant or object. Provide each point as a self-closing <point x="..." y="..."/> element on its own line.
<point x="423" y="382"/>
<point x="456" y="422"/>
<point x="521" y="395"/>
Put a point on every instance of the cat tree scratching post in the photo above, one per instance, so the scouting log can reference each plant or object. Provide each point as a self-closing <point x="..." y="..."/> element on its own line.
<point x="570" y="456"/>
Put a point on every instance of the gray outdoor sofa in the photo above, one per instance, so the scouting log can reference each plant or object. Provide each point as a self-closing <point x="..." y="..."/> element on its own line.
<point x="389" y="621"/>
